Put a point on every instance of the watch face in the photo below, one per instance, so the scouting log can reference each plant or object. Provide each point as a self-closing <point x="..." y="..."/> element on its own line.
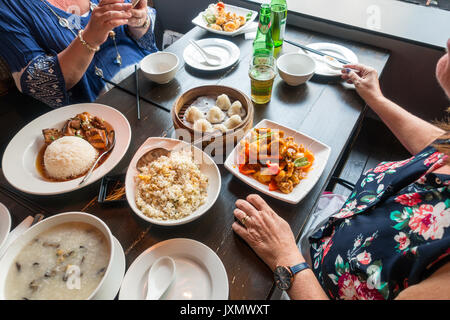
<point x="282" y="278"/>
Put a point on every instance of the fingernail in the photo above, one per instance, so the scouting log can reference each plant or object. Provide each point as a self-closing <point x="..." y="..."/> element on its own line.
<point x="347" y="70"/>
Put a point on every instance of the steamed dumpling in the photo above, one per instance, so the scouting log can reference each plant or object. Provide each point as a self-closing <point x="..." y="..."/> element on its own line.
<point x="193" y="114"/>
<point x="220" y="127"/>
<point x="202" y="125"/>
<point x="215" y="115"/>
<point x="236" y="108"/>
<point x="223" y="102"/>
<point x="233" y="121"/>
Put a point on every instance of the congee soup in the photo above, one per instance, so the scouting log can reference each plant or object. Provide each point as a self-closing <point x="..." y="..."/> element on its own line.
<point x="67" y="261"/>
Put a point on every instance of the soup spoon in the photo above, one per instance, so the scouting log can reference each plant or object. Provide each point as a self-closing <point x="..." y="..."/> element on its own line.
<point x="160" y="277"/>
<point x="333" y="63"/>
<point x="210" y="59"/>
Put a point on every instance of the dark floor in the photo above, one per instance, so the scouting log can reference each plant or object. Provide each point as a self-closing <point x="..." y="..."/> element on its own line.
<point x="375" y="143"/>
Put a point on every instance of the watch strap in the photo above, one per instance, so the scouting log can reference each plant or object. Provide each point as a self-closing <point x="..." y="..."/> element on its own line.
<point x="299" y="267"/>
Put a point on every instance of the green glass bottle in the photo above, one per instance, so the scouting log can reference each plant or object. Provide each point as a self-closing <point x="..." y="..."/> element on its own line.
<point x="263" y="43"/>
<point x="279" y="17"/>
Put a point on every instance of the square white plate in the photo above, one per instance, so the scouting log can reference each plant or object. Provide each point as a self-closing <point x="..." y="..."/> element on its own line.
<point x="200" y="21"/>
<point x="321" y="154"/>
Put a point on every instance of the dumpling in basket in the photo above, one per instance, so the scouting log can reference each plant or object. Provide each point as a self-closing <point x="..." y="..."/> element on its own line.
<point x="202" y="125"/>
<point x="223" y="102"/>
<point x="193" y="114"/>
<point x="215" y="115"/>
<point x="221" y="127"/>
<point x="233" y="121"/>
<point x="236" y="108"/>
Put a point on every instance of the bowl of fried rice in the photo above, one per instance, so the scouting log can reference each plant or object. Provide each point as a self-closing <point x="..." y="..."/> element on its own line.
<point x="173" y="189"/>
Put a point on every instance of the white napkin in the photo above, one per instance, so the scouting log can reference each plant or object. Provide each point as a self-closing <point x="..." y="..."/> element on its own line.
<point x="16" y="232"/>
<point x="250" y="30"/>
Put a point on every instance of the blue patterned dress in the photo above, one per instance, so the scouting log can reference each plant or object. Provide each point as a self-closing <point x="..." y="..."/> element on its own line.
<point x="31" y="38"/>
<point x="392" y="232"/>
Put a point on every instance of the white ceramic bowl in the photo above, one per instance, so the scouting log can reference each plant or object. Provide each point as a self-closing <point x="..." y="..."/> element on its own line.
<point x="8" y="259"/>
<point x="296" y="68"/>
<point x="160" y="66"/>
<point x="206" y="165"/>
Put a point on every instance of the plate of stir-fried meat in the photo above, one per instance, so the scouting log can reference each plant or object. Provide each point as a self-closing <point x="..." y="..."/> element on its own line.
<point x="59" y="138"/>
<point x="278" y="161"/>
<point x="85" y="126"/>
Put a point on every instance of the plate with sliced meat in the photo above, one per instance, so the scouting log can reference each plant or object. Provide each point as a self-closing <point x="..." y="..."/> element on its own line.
<point x="53" y="153"/>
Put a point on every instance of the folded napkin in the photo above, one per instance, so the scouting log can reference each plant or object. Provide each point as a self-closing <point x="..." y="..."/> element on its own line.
<point x="250" y="30"/>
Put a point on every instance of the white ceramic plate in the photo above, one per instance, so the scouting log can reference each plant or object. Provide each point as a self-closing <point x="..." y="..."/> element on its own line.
<point x="321" y="155"/>
<point x="333" y="49"/>
<point x="19" y="159"/>
<point x="113" y="281"/>
<point x="200" y="21"/>
<point x="5" y="224"/>
<point x="226" y="50"/>
<point x="200" y="275"/>
<point x="207" y="167"/>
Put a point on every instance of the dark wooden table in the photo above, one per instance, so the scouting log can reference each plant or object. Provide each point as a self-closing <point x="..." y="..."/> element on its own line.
<point x="326" y="111"/>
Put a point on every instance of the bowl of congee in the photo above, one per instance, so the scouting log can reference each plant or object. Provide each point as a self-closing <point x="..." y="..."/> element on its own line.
<point x="64" y="257"/>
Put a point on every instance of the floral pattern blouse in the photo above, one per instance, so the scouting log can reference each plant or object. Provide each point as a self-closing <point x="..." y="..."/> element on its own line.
<point x="392" y="232"/>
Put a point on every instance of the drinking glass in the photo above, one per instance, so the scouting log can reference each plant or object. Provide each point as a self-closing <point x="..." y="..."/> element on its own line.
<point x="262" y="74"/>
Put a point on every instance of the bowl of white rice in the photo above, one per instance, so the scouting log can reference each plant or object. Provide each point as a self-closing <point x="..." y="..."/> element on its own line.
<point x="174" y="189"/>
<point x="69" y="157"/>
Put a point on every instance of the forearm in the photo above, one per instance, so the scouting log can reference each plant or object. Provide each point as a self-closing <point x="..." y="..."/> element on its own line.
<point x="74" y="61"/>
<point x="306" y="287"/>
<point x="414" y="133"/>
<point x="138" y="33"/>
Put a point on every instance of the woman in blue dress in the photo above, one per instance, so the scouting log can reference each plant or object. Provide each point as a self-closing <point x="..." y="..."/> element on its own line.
<point x="59" y="50"/>
<point x="390" y="239"/>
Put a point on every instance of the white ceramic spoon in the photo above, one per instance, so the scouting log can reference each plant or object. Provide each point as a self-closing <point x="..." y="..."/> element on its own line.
<point x="160" y="277"/>
<point x="210" y="59"/>
<point x="333" y="63"/>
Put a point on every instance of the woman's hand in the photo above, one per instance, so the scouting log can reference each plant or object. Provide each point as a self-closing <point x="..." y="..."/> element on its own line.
<point x="365" y="80"/>
<point x="267" y="233"/>
<point x="138" y="15"/>
<point x="108" y="15"/>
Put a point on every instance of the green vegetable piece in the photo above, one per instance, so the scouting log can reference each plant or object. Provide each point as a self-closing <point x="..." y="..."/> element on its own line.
<point x="301" y="162"/>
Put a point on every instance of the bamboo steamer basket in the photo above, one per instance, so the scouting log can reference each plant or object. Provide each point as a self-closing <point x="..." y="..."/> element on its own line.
<point x="221" y="145"/>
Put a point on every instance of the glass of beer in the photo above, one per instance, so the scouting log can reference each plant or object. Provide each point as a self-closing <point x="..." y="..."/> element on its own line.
<point x="262" y="73"/>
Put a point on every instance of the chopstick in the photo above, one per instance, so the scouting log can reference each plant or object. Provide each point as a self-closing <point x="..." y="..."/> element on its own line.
<point x="133" y="94"/>
<point x="137" y="92"/>
<point x="317" y="51"/>
<point x="24" y="201"/>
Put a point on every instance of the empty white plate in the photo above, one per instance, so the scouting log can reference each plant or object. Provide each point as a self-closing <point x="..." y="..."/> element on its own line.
<point x="226" y="50"/>
<point x="321" y="154"/>
<point x="5" y="224"/>
<point x="332" y="49"/>
<point x="200" y="274"/>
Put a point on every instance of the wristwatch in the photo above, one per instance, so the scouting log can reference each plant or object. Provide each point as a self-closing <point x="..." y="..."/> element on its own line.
<point x="283" y="275"/>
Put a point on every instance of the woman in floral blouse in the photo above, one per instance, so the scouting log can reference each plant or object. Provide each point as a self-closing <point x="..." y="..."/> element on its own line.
<point x="391" y="239"/>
